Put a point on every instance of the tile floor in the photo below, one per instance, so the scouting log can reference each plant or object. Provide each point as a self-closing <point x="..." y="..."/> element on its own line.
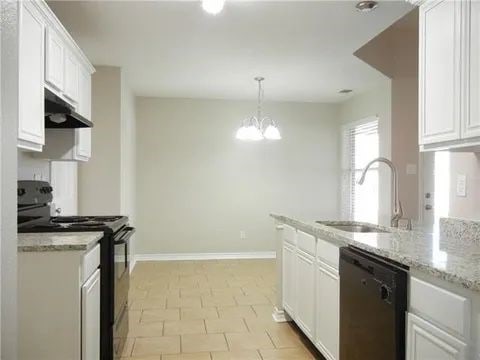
<point x="212" y="310"/>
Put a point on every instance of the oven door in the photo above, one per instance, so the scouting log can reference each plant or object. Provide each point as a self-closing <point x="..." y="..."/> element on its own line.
<point x="121" y="243"/>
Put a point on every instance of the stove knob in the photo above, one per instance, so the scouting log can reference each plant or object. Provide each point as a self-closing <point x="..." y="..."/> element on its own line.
<point x="21" y="192"/>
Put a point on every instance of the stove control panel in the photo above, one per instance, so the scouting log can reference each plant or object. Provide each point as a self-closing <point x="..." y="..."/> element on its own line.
<point x="33" y="192"/>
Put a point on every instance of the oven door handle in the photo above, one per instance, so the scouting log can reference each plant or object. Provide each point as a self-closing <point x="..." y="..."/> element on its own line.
<point x="128" y="232"/>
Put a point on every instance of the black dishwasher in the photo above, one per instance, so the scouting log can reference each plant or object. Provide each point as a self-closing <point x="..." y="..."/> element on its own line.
<point x="373" y="302"/>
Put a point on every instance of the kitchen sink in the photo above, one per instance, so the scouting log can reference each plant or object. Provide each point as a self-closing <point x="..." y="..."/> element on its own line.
<point x="354" y="228"/>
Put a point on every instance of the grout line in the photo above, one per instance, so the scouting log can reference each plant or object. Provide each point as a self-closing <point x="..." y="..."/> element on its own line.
<point x="246" y="324"/>
<point x="259" y="354"/>
<point x="273" y="343"/>
<point x="226" y="341"/>
<point x="133" y="347"/>
<point x="205" y="326"/>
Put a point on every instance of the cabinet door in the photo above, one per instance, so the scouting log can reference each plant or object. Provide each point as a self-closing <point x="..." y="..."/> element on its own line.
<point x="83" y="144"/>
<point x="71" y="76"/>
<point x="83" y="137"/>
<point x="427" y="342"/>
<point x="471" y="123"/>
<point x="328" y="312"/>
<point x="91" y="317"/>
<point x="31" y="123"/>
<point x="440" y="71"/>
<point x="288" y="275"/>
<point x="305" y="294"/>
<point x="54" y="60"/>
<point x="84" y="107"/>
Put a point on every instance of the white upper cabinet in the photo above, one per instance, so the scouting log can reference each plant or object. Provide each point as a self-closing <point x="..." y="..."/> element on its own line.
<point x="71" y="76"/>
<point x="31" y="123"/>
<point x="471" y="125"/>
<point x="83" y="137"/>
<point x="84" y="107"/>
<point x="54" y="60"/>
<point x="449" y="71"/>
<point x="50" y="58"/>
<point x="83" y="144"/>
<point x="440" y="70"/>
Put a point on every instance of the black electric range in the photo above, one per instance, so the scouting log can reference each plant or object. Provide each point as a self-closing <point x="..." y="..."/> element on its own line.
<point x="34" y="199"/>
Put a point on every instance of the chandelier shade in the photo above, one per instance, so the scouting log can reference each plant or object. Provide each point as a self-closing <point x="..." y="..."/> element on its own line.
<point x="257" y="127"/>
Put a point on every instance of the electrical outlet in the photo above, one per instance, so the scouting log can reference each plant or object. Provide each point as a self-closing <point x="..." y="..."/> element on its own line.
<point x="461" y="185"/>
<point x="411" y="169"/>
<point x="243" y="234"/>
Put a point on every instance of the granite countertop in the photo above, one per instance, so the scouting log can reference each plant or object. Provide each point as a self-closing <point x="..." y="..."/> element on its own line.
<point x="451" y="254"/>
<point x="66" y="241"/>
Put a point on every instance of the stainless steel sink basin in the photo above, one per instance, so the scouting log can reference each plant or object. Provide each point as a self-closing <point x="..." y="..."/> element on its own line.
<point x="354" y="228"/>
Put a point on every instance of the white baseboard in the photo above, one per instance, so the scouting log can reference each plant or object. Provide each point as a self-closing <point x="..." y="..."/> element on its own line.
<point x="206" y="256"/>
<point x="280" y="316"/>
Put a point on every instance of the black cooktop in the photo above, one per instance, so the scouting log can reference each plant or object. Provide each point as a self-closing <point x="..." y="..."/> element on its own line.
<point x="74" y="224"/>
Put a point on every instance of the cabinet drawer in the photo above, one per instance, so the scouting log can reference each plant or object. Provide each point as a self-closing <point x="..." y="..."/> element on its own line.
<point x="430" y="302"/>
<point x="306" y="243"/>
<point x="328" y="253"/>
<point x="289" y="234"/>
<point x="91" y="261"/>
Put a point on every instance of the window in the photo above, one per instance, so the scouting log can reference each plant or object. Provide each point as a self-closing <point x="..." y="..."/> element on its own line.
<point x="360" y="146"/>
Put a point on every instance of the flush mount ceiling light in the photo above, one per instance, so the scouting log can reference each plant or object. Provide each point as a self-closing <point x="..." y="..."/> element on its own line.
<point x="213" y="7"/>
<point x="257" y="127"/>
<point x="366" y="6"/>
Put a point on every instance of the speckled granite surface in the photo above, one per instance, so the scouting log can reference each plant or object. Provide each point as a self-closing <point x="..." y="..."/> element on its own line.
<point x="442" y="254"/>
<point x="74" y="241"/>
<point x="464" y="231"/>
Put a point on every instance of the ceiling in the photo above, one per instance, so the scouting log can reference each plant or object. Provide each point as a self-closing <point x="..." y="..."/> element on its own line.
<point x="304" y="49"/>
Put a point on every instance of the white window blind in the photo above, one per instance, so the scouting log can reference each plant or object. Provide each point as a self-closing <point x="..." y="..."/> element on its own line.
<point x="360" y="146"/>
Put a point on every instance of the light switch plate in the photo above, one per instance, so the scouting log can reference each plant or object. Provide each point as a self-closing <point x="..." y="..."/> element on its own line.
<point x="461" y="185"/>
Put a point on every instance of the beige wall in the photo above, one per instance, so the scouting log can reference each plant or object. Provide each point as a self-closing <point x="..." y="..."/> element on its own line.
<point x="106" y="183"/>
<point x="375" y="102"/>
<point x="198" y="187"/>
<point x="99" y="178"/>
<point x="128" y="159"/>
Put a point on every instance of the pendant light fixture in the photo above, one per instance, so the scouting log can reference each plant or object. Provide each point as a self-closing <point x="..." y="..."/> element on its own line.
<point x="213" y="7"/>
<point x="252" y="129"/>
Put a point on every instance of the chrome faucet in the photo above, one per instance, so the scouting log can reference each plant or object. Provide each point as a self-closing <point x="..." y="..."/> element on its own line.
<point x="397" y="205"/>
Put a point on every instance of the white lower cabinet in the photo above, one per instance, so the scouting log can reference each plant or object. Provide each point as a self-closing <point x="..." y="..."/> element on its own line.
<point x="91" y="317"/>
<point x="59" y="305"/>
<point x="327" y="306"/>
<point x="427" y="342"/>
<point x="305" y="293"/>
<point x="311" y="288"/>
<point x="288" y="275"/>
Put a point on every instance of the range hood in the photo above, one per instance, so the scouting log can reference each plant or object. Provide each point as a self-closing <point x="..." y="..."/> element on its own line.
<point x="61" y="115"/>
